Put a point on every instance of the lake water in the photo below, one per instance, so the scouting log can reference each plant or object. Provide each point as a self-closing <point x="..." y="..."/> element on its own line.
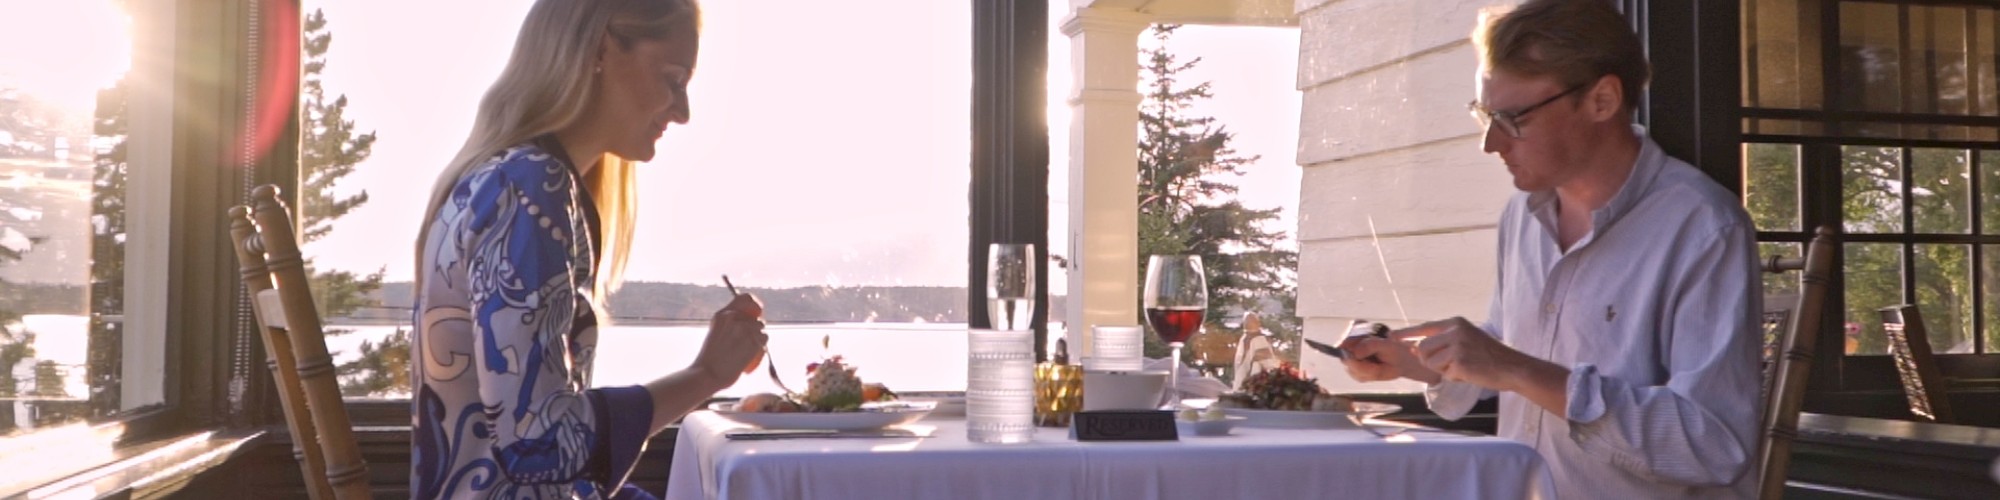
<point x="908" y="357"/>
<point x="905" y="357"/>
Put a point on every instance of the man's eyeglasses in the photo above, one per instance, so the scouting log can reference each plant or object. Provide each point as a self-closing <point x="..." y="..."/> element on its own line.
<point x="1508" y="121"/>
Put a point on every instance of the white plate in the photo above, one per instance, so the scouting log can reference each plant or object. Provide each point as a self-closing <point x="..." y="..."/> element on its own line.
<point x="949" y="403"/>
<point x="1207" y="427"/>
<point x="870" y="416"/>
<point x="1292" y="419"/>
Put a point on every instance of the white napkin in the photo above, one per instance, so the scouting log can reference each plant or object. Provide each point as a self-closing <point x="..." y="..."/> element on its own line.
<point x="1253" y="354"/>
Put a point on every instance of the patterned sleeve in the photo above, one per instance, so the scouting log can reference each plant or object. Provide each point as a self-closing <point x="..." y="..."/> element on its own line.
<point x="548" y="430"/>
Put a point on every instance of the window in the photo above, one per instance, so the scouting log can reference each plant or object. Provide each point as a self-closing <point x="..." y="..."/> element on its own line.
<point x="371" y="144"/>
<point x="1250" y="103"/>
<point x="63" y="156"/>
<point x="124" y="124"/>
<point x="1881" y="117"/>
<point x="795" y="177"/>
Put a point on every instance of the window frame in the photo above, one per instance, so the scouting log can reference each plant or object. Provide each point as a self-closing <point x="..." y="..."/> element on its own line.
<point x="181" y="288"/>
<point x="1008" y="195"/>
<point x="1841" y="383"/>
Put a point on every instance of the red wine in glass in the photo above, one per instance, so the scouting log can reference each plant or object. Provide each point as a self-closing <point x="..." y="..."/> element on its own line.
<point x="1175" y="297"/>
<point x="1174" y="324"/>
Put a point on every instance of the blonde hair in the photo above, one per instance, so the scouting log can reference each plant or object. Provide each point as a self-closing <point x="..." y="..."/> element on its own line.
<point x="544" y="87"/>
<point x="1574" y="41"/>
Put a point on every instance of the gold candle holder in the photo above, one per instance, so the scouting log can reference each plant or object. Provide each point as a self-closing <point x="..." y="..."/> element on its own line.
<point x="1058" y="393"/>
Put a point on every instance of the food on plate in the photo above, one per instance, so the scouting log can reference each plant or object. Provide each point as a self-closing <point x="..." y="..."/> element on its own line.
<point x="1284" y="388"/>
<point x="833" y="387"/>
<point x="874" y="391"/>
<point x="1212" y="413"/>
<point x="765" y="402"/>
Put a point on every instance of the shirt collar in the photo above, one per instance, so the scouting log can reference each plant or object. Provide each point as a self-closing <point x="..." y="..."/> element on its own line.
<point x="1645" y="168"/>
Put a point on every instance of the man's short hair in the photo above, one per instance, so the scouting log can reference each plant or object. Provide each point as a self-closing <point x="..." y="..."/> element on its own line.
<point x="1574" y="41"/>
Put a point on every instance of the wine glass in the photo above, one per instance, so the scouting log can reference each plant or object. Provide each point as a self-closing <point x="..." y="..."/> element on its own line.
<point x="1176" y="299"/>
<point x="1010" y="285"/>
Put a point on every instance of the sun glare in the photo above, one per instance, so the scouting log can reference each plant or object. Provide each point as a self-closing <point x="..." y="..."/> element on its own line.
<point x="62" y="52"/>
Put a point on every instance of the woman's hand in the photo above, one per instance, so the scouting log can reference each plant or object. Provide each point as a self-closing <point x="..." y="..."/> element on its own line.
<point x="735" y="342"/>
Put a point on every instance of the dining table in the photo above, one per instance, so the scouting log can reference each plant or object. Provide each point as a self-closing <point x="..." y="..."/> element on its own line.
<point x="934" y="459"/>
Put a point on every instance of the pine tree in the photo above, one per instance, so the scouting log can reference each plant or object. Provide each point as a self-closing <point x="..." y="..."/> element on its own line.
<point x="382" y="369"/>
<point x="1187" y="205"/>
<point x="329" y="151"/>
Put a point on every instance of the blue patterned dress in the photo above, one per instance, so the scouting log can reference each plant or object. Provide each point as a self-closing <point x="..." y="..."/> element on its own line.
<point x="505" y="338"/>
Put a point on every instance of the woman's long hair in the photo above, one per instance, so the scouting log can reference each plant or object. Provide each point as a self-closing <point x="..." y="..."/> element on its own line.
<point x="545" y="86"/>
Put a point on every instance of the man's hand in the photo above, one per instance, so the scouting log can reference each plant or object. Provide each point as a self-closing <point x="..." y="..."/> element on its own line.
<point x="1376" y="359"/>
<point x="1460" y="351"/>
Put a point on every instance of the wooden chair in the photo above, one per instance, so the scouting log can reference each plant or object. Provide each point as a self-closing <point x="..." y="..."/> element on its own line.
<point x="1778" y="309"/>
<point x="1787" y="384"/>
<point x="295" y="347"/>
<point x="1910" y="346"/>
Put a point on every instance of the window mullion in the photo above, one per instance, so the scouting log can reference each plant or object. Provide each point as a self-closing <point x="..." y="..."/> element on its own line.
<point x="1976" y="256"/>
<point x="1906" y="172"/>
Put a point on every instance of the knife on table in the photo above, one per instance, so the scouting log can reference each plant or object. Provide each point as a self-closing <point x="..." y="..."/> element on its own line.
<point x="741" y="434"/>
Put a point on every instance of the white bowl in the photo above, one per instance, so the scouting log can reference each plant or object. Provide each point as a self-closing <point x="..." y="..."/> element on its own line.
<point x="1207" y="427"/>
<point x="1104" y="390"/>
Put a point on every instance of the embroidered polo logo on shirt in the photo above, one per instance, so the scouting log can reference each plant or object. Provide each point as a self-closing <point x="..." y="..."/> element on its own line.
<point x="1610" y="314"/>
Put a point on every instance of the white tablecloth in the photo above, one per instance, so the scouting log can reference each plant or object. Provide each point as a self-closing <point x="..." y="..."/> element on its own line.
<point x="1250" y="463"/>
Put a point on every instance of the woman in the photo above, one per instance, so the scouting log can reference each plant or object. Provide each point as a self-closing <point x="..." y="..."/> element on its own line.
<point x="526" y="233"/>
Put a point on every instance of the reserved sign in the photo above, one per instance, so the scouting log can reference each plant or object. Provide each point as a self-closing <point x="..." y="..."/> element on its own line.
<point x="1123" y="425"/>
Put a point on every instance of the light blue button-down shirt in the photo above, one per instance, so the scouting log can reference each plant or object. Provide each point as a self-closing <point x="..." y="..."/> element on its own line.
<point x="1654" y="313"/>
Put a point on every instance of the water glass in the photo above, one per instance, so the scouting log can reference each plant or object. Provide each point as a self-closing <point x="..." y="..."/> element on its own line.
<point x="1117" y="348"/>
<point x="1010" y="285"/>
<point x="1000" y="386"/>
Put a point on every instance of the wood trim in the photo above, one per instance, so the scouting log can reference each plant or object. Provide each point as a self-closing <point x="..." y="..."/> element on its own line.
<point x="1691" y="107"/>
<point x="152" y="470"/>
<point x="1888" y="457"/>
<point x="1010" y="146"/>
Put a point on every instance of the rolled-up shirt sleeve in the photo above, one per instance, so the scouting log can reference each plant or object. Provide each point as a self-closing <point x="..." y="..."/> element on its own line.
<point x="1664" y="432"/>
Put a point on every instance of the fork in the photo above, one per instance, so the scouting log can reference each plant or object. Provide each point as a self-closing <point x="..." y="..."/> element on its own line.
<point x="771" y="364"/>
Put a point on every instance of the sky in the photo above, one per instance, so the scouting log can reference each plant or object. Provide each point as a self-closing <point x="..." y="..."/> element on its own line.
<point x="816" y="127"/>
<point x="45" y="54"/>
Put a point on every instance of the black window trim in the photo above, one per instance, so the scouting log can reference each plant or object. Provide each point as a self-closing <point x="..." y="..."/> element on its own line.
<point x="1858" y="384"/>
<point x="211" y="91"/>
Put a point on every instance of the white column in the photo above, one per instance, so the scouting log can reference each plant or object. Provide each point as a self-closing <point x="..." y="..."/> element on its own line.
<point x="1103" y="170"/>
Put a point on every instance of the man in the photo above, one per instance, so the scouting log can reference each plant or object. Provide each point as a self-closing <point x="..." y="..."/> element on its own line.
<point x="1621" y="338"/>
